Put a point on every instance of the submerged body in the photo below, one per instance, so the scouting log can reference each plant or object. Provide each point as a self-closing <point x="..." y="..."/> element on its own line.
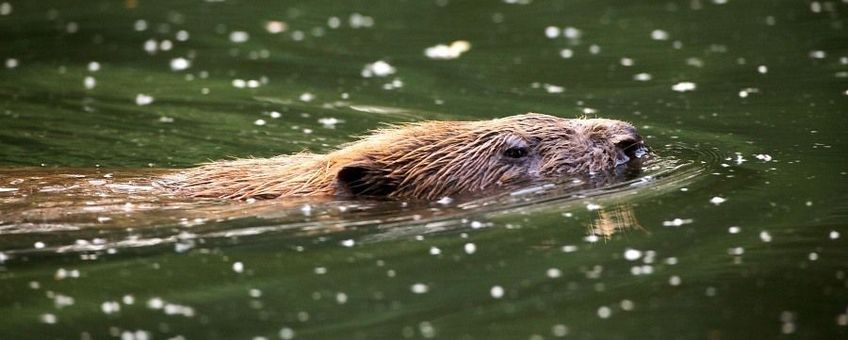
<point x="427" y="160"/>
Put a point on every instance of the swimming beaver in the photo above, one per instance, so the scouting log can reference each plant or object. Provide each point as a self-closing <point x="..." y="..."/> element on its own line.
<point x="427" y="160"/>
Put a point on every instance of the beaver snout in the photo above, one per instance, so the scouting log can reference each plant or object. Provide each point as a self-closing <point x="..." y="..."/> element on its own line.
<point x="630" y="148"/>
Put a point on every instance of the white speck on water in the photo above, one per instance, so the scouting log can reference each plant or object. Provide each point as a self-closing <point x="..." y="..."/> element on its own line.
<point x="4" y="258"/>
<point x="788" y="322"/>
<point x="165" y="119"/>
<point x="736" y="251"/>
<point x="594" y="49"/>
<point x="435" y="251"/>
<point x="239" y="37"/>
<point x="569" y="248"/>
<point x="286" y="333"/>
<point x="762" y="69"/>
<point x="150" y="46"/>
<point x="763" y="157"/>
<point x="551" y="32"/>
<point x="128" y="299"/>
<point x="554" y="88"/>
<point x="627" y="305"/>
<point x="566" y="53"/>
<point x="110" y="307"/>
<point x="72" y="27"/>
<point x="239" y="83"/>
<point x="470" y="248"/>
<point x="320" y="270"/>
<point x="419" y="288"/>
<point x="155" y="303"/>
<point x="677" y="222"/>
<point x="182" y="35"/>
<point x="275" y="114"/>
<point x="179" y="64"/>
<point x="427" y="330"/>
<point x="765" y="236"/>
<point x="39" y="245"/>
<point x="591" y="238"/>
<point x="604" y="312"/>
<point x="275" y="27"/>
<point x="140" y="25"/>
<point x="813" y="256"/>
<point x="559" y="330"/>
<point x="659" y="35"/>
<point x="554" y="273"/>
<point x="357" y="20"/>
<point x="626" y="62"/>
<point x="592" y="207"/>
<point x="62" y="301"/>
<point x="734" y="230"/>
<point x="341" y="298"/>
<point x="717" y="200"/>
<point x="306" y="97"/>
<point x="89" y="82"/>
<point x="238" y="267"/>
<point x="684" y="86"/>
<point x="632" y="254"/>
<point x="445" y="52"/>
<point x="808" y="203"/>
<point x="166" y="45"/>
<point x="93" y="66"/>
<point x="497" y="292"/>
<point x="175" y="309"/>
<point x="674" y="280"/>
<point x="818" y="54"/>
<point x="48" y="318"/>
<point x="11" y="63"/>
<point x="833" y="235"/>
<point x="571" y="33"/>
<point x="334" y="22"/>
<point x="255" y="293"/>
<point x="259" y="122"/>
<point x="348" y="243"/>
<point x="329" y="123"/>
<point x="695" y="62"/>
<point x="143" y="99"/>
<point x="378" y="68"/>
<point x="642" y="77"/>
<point x="5" y="8"/>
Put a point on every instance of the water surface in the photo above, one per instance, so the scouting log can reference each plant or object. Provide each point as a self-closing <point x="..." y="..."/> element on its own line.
<point x="737" y="228"/>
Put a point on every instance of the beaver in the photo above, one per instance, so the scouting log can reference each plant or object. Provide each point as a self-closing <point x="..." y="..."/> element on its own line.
<point x="427" y="160"/>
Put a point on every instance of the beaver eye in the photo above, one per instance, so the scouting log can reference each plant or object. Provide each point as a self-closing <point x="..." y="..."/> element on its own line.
<point x="516" y="152"/>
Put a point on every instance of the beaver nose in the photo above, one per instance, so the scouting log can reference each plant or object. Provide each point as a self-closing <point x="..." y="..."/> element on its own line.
<point x="632" y="146"/>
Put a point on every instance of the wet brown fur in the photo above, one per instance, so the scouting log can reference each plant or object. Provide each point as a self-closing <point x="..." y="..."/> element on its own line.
<point x="425" y="160"/>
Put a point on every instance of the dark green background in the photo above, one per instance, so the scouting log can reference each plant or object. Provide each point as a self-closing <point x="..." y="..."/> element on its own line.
<point x="794" y="286"/>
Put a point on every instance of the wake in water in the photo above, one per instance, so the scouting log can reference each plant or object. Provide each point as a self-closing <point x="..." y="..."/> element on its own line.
<point x="94" y="210"/>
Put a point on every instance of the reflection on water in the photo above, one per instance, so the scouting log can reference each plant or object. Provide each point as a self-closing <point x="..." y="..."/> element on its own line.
<point x="611" y="221"/>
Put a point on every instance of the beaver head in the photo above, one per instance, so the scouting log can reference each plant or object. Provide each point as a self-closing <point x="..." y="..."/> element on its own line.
<point x="436" y="159"/>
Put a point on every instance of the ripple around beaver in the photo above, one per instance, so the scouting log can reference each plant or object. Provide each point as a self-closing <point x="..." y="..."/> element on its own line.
<point x="72" y="210"/>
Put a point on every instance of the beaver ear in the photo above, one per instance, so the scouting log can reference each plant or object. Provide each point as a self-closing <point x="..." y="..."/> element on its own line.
<point x="364" y="179"/>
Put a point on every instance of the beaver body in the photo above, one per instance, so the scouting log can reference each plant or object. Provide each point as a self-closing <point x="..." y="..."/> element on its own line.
<point x="427" y="160"/>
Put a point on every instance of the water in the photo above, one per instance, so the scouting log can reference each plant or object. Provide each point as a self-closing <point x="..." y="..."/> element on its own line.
<point x="735" y="229"/>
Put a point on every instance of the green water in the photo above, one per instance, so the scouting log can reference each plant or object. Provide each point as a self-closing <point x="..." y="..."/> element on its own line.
<point x="736" y="230"/>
